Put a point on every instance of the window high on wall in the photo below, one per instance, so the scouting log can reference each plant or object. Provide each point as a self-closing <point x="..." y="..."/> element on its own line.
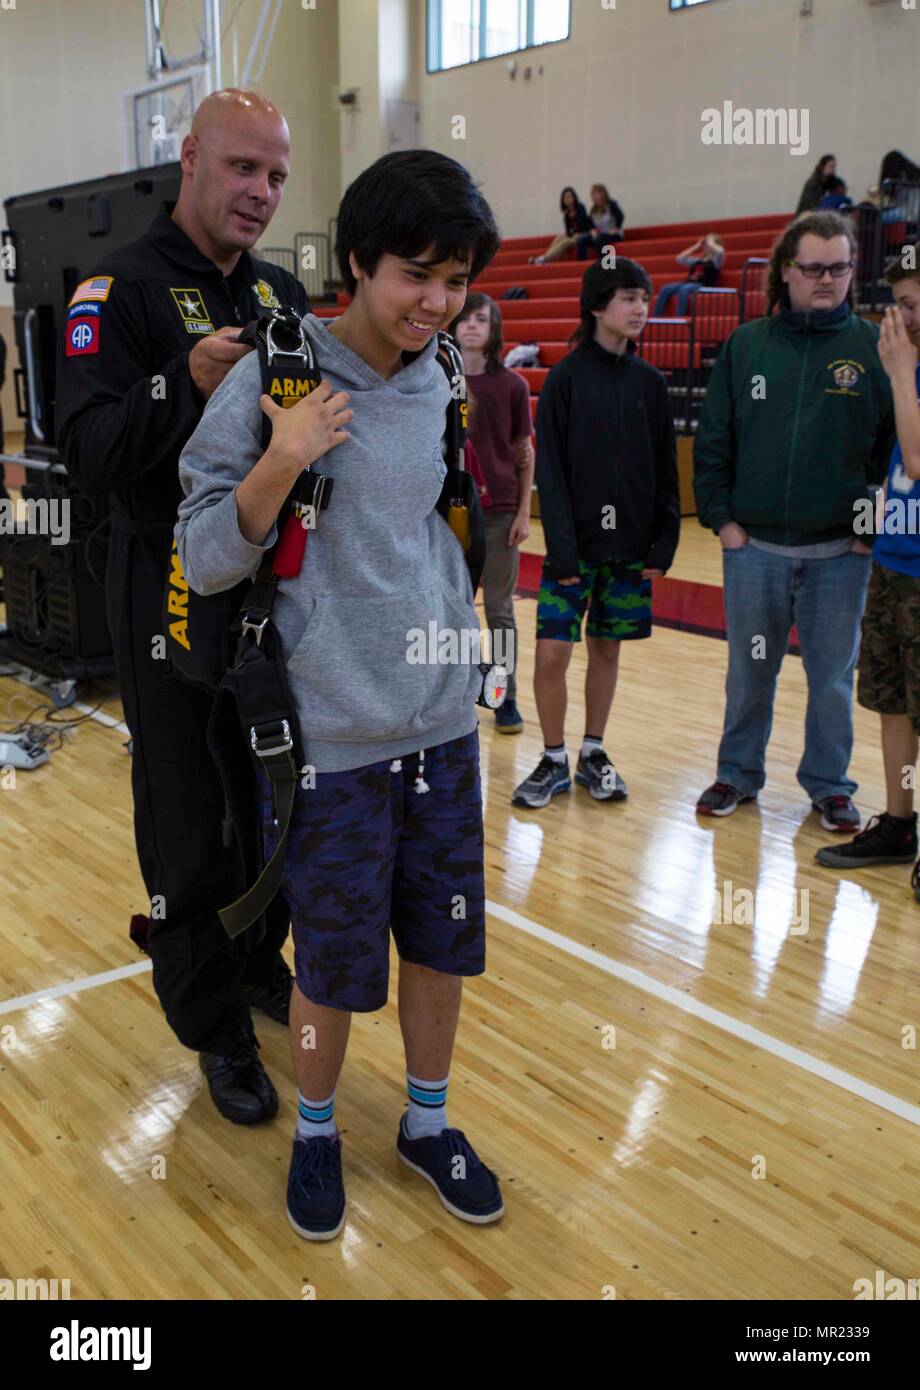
<point x="465" y="31"/>
<point x="685" y="4"/>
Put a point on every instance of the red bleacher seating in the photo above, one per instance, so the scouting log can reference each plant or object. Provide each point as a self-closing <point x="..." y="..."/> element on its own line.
<point x="683" y="349"/>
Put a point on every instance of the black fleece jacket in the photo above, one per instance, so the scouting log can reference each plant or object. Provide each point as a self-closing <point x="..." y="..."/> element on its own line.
<point x="605" y="439"/>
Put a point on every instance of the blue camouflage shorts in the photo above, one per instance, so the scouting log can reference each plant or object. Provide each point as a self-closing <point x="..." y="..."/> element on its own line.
<point x="368" y="853"/>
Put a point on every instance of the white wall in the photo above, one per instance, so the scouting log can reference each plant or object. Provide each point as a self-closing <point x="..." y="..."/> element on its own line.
<point x="65" y="63"/>
<point x="620" y="102"/>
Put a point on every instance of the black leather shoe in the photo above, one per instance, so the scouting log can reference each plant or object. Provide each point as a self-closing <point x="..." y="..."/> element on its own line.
<point x="240" y="1086"/>
<point x="274" y="998"/>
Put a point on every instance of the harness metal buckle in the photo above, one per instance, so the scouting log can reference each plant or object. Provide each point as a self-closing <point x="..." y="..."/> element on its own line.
<point x="304" y="352"/>
<point x="256" y="628"/>
<point x="273" y="731"/>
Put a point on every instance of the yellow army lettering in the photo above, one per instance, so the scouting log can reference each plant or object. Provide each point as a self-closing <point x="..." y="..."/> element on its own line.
<point x="289" y="391"/>
<point x="177" y="600"/>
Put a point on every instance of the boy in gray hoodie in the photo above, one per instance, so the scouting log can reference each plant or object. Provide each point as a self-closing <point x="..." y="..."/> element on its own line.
<point x="379" y="633"/>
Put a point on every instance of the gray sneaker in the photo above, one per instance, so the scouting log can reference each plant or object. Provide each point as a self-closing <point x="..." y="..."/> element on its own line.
<point x="547" y="780"/>
<point x="598" y="774"/>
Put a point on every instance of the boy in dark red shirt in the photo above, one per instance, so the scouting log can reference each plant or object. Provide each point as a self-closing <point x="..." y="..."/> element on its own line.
<point x="500" y="430"/>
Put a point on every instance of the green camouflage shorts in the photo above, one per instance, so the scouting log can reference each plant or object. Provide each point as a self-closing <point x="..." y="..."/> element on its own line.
<point x="620" y="604"/>
<point x="889" y="658"/>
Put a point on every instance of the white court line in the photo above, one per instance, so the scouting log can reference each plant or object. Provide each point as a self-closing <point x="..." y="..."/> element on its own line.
<point x="668" y="995"/>
<point x="636" y="978"/>
<point x="8" y="1006"/>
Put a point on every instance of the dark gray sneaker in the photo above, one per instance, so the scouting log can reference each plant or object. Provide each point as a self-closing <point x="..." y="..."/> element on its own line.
<point x="720" y="800"/>
<point x="598" y="774"/>
<point x="547" y="780"/>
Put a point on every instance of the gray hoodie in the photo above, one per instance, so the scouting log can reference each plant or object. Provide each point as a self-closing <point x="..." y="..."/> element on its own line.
<point x="380" y="567"/>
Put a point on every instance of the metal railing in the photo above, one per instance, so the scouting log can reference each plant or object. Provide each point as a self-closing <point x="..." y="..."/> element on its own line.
<point x="313" y="256"/>
<point x="684" y="349"/>
<point x="279" y="255"/>
<point x="753" y="288"/>
<point x="882" y="233"/>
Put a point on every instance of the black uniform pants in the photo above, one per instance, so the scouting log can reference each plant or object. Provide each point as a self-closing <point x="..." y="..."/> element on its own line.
<point x="198" y="971"/>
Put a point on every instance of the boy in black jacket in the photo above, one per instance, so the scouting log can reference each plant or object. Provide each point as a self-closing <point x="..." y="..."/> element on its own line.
<point x="606" y="473"/>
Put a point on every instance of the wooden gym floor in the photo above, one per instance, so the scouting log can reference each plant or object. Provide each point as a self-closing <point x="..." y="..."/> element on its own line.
<point x="753" y="1133"/>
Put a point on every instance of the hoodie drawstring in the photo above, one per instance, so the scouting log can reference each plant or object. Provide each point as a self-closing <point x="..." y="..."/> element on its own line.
<point x="421" y="786"/>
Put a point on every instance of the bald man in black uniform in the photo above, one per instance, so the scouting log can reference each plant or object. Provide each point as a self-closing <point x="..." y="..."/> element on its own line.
<point x="148" y="337"/>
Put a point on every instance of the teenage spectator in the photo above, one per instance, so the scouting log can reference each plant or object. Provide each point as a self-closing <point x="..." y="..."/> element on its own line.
<point x="816" y="183"/>
<point x="500" y="431"/>
<point x="836" y="198"/>
<point x="797" y="423"/>
<point x="607" y="223"/>
<point x="889" y="659"/>
<point x="704" y="261"/>
<point x="609" y="503"/>
<point x="575" y="219"/>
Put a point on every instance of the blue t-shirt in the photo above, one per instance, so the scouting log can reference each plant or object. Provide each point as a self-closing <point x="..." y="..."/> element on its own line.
<point x="898" y="547"/>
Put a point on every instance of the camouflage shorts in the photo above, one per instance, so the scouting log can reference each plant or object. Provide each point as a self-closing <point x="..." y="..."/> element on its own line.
<point x="367" y="853"/>
<point x="889" y="657"/>
<point x="620" y="604"/>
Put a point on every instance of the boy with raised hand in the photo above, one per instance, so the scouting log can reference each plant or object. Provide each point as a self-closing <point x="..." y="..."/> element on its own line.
<point x="889" y="660"/>
<point x="387" y="832"/>
<point x="609" y="501"/>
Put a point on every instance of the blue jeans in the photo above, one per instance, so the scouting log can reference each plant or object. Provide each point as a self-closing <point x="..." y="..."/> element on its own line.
<point x="765" y="595"/>
<point x="683" y="289"/>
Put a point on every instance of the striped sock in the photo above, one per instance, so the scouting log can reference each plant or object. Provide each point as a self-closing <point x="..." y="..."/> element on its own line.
<point x="427" y="1106"/>
<point x="315" y="1117"/>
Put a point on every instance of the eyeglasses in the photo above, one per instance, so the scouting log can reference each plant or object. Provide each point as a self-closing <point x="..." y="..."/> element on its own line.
<point x="817" y="270"/>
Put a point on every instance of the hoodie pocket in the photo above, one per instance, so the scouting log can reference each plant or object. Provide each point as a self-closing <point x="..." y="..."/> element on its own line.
<point x="376" y="668"/>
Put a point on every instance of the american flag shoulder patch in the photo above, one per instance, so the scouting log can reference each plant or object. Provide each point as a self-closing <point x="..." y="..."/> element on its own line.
<point x="96" y="289"/>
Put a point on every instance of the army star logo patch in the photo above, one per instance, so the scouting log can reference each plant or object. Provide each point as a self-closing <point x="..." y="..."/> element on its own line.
<point x="194" y="314"/>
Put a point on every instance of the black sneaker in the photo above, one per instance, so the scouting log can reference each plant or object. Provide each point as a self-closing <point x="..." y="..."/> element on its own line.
<point x="547" y="780"/>
<point x="240" y="1087"/>
<point x="598" y="774"/>
<point x="274" y="998"/>
<point x="720" y="800"/>
<point x="885" y="840"/>
<point x="915" y="880"/>
<point x="315" y="1191"/>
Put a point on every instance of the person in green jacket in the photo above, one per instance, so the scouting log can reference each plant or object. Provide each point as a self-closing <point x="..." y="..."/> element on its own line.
<point x="797" y="425"/>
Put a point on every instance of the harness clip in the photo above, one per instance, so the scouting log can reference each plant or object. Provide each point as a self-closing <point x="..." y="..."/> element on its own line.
<point x="271" y="731"/>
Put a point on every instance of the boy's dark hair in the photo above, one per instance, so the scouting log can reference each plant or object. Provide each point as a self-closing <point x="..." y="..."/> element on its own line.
<point x="834" y="185"/>
<point x="598" y="288"/>
<point x="895" y="270"/>
<point x="406" y="201"/>
<point x="826" y="225"/>
<point x="493" y="347"/>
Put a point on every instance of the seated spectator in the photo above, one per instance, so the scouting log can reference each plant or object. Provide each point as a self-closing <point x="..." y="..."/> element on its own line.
<point x="607" y="217"/>
<point x="704" y="259"/>
<point x="836" y="199"/>
<point x="576" y="220"/>
<point x="816" y="185"/>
